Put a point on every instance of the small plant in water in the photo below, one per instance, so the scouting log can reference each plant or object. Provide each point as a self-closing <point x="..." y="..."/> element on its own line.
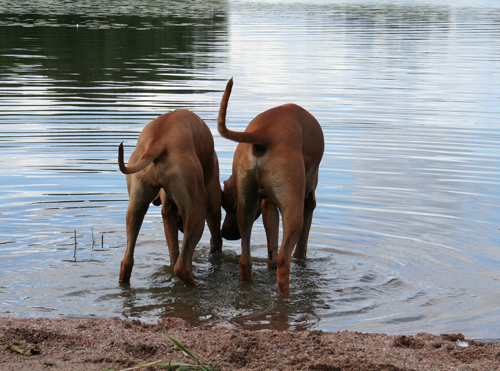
<point x="74" y="254"/>
<point x="93" y="243"/>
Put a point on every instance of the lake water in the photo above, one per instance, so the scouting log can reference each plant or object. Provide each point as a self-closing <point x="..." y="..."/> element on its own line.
<point x="405" y="237"/>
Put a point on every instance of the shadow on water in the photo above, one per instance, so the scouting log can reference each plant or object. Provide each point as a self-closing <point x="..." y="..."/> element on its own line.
<point x="221" y="299"/>
<point x="323" y="286"/>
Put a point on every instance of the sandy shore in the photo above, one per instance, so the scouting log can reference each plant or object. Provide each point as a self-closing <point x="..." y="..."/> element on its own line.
<point x="118" y="344"/>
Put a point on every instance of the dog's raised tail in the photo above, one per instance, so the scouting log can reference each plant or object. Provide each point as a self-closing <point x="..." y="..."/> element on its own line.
<point x="145" y="160"/>
<point x="221" y="120"/>
<point x="237" y="136"/>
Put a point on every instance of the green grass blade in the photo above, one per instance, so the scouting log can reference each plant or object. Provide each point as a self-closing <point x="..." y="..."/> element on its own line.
<point x="200" y="366"/>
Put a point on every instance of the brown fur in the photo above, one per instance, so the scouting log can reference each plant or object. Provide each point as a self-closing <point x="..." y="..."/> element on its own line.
<point x="275" y="170"/>
<point x="174" y="158"/>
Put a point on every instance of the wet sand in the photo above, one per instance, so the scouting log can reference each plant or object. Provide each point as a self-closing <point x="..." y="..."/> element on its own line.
<point x="119" y="344"/>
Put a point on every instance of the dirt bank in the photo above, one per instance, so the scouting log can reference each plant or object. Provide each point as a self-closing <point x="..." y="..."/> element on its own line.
<point x="117" y="344"/>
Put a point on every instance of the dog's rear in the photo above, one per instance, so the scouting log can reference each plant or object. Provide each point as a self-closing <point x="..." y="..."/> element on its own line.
<point x="275" y="168"/>
<point x="174" y="158"/>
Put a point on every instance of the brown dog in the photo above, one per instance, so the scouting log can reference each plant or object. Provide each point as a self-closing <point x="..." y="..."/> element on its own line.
<point x="174" y="157"/>
<point x="275" y="167"/>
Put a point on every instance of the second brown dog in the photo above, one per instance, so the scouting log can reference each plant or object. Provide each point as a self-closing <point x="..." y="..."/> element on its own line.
<point x="275" y="167"/>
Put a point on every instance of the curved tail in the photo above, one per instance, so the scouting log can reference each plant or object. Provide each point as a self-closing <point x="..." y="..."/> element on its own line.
<point x="144" y="161"/>
<point x="237" y="136"/>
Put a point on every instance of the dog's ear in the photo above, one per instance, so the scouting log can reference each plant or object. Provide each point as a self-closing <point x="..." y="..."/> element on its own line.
<point x="230" y="230"/>
<point x="229" y="197"/>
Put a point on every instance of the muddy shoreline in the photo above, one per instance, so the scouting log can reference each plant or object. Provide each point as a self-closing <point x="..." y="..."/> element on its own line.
<point x="119" y="344"/>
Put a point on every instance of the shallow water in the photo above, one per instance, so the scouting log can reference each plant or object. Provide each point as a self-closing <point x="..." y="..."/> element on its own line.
<point x="406" y="233"/>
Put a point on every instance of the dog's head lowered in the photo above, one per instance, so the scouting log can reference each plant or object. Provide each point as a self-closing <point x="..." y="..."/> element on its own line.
<point x="230" y="230"/>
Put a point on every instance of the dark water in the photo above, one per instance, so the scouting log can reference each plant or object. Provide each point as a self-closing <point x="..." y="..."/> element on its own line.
<point x="406" y="233"/>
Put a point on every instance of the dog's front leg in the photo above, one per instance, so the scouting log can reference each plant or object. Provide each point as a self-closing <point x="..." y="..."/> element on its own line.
<point x="213" y="221"/>
<point x="270" y="217"/>
<point x="309" y="206"/>
<point x="170" y="225"/>
<point x="247" y="209"/>
<point x="214" y="214"/>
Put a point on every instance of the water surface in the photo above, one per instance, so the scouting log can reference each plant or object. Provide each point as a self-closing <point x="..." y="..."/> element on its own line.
<point x="406" y="233"/>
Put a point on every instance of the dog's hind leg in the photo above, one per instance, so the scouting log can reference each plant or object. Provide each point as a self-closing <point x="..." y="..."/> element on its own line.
<point x="292" y="227"/>
<point x="193" y="230"/>
<point x="191" y="199"/>
<point x="140" y="197"/>
<point x="292" y="213"/>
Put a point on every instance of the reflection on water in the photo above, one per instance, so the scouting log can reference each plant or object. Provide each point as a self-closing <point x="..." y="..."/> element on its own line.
<point x="405" y="235"/>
